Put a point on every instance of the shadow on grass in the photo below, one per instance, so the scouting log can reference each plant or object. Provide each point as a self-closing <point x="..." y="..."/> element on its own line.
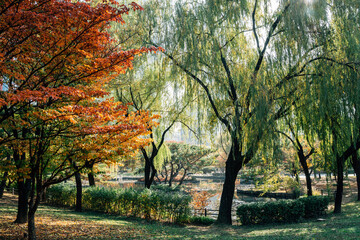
<point x="64" y="223"/>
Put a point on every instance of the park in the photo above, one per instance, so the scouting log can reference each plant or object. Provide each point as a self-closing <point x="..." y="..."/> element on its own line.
<point x="179" y="119"/>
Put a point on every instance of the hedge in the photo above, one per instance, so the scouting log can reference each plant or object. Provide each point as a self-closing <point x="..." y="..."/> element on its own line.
<point x="270" y="212"/>
<point x="282" y="211"/>
<point x="144" y="203"/>
<point x="315" y="206"/>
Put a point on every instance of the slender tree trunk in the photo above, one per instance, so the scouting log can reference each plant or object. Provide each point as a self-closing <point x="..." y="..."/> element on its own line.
<point x="233" y="167"/>
<point x="33" y="205"/>
<point x="78" y="207"/>
<point x="304" y="165"/>
<point x="31" y="227"/>
<point x="91" y="178"/>
<point x="147" y="173"/>
<point x="308" y="184"/>
<point x="149" y="169"/>
<point x="355" y="162"/>
<point x="183" y="177"/>
<point x="23" y="197"/>
<point x="340" y="185"/>
<point x="3" y="184"/>
<point x="153" y="173"/>
<point x="171" y="174"/>
<point x="166" y="174"/>
<point x="36" y="189"/>
<point x="358" y="184"/>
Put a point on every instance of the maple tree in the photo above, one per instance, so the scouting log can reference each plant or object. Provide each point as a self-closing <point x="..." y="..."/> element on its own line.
<point x="55" y="59"/>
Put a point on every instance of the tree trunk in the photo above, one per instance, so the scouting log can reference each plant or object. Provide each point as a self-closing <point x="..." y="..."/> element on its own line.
<point x="340" y="185"/>
<point x="233" y="167"/>
<point x="355" y="162"/>
<point x="147" y="173"/>
<point x="3" y="184"/>
<point x="78" y="207"/>
<point x="304" y="165"/>
<point x="35" y="193"/>
<point x="183" y="177"/>
<point x="31" y="227"/>
<point x="308" y="184"/>
<point x="23" y="189"/>
<point x="149" y="169"/>
<point x="153" y="173"/>
<point x="358" y="184"/>
<point x="33" y="205"/>
<point x="171" y="174"/>
<point x="91" y="178"/>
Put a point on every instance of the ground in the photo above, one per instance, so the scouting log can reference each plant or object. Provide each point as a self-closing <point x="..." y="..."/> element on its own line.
<point x="59" y="223"/>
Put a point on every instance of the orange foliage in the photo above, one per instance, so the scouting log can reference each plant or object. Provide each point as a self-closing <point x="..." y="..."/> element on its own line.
<point x="200" y="200"/>
<point x="56" y="56"/>
<point x="51" y="50"/>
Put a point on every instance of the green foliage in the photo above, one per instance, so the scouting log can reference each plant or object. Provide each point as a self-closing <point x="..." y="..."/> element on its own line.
<point x="61" y="195"/>
<point x="163" y="155"/>
<point x="270" y="212"/>
<point x="185" y="159"/>
<point x="282" y="211"/>
<point x="315" y="206"/>
<point x="201" y="220"/>
<point x="154" y="204"/>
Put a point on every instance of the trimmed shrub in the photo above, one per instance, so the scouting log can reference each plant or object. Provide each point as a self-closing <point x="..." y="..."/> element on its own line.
<point x="206" y="221"/>
<point x="270" y="212"/>
<point x="282" y="211"/>
<point x="315" y="206"/>
<point x="150" y="204"/>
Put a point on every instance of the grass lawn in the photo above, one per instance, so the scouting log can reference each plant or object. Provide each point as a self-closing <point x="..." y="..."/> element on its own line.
<point x="58" y="223"/>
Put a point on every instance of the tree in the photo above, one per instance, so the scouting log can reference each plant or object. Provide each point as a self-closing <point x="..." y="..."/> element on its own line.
<point x="334" y="98"/>
<point x="251" y="62"/>
<point x="151" y="88"/>
<point x="302" y="155"/>
<point x="53" y="90"/>
<point x="183" y="160"/>
<point x="355" y="162"/>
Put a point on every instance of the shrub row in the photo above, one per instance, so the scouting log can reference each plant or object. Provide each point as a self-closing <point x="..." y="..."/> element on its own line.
<point x="282" y="211"/>
<point x="144" y="203"/>
<point x="315" y="206"/>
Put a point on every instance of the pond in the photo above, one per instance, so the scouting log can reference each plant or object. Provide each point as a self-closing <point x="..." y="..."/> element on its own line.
<point x="209" y="183"/>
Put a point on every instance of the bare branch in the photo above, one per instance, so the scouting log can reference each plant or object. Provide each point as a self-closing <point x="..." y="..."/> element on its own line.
<point x="254" y="28"/>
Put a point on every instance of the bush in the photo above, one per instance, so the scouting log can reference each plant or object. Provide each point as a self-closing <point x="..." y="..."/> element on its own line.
<point x="201" y="220"/>
<point x="270" y="212"/>
<point x="282" y="211"/>
<point x="61" y="195"/>
<point x="315" y="206"/>
<point x="144" y="203"/>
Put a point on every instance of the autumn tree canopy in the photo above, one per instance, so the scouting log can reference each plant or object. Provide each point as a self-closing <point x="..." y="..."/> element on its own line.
<point x="55" y="58"/>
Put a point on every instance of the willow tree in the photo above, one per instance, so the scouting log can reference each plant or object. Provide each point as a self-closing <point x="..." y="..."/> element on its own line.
<point x="304" y="149"/>
<point x="152" y="87"/>
<point x="251" y="60"/>
<point x="335" y="95"/>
